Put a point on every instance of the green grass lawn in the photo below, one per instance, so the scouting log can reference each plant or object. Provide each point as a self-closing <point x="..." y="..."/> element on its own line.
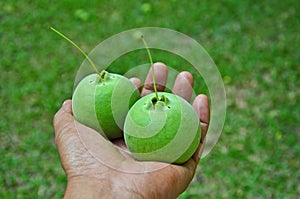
<point x="255" y="45"/>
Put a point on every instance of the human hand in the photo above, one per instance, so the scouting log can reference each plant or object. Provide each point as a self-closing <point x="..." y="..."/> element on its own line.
<point x="98" y="168"/>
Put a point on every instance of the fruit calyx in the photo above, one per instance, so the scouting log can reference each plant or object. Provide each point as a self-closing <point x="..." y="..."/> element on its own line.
<point x="156" y="99"/>
<point x="103" y="76"/>
<point x="158" y="103"/>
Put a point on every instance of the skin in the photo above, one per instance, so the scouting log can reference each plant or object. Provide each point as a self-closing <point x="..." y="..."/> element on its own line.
<point x="89" y="178"/>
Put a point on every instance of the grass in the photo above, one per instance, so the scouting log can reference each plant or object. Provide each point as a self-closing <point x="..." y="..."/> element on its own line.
<point x="255" y="45"/>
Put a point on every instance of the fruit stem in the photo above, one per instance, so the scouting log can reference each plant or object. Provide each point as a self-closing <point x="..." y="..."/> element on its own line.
<point x="152" y="65"/>
<point x="77" y="47"/>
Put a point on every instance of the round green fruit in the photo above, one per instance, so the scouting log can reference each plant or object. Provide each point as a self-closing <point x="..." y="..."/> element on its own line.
<point x="165" y="129"/>
<point x="101" y="101"/>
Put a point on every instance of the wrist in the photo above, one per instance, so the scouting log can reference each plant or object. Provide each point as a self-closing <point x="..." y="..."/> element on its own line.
<point x="90" y="188"/>
<point x="81" y="187"/>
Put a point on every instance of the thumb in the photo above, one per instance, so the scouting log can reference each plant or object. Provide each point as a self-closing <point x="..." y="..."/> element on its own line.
<point x="63" y="118"/>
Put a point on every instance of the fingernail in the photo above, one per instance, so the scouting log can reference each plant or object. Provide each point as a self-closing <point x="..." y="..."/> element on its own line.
<point x="64" y="103"/>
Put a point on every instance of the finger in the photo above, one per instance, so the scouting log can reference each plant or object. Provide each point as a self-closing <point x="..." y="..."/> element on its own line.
<point x="201" y="106"/>
<point x="183" y="85"/>
<point x="63" y="118"/>
<point x="137" y="82"/>
<point x="196" y="156"/>
<point x="183" y="175"/>
<point x="160" y="74"/>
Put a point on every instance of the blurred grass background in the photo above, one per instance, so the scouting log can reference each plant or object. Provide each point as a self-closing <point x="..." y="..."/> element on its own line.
<point x="255" y="45"/>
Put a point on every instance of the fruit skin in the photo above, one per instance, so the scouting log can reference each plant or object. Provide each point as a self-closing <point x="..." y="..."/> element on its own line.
<point x="167" y="132"/>
<point x="102" y="102"/>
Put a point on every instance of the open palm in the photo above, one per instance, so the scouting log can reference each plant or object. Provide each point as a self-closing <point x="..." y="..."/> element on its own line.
<point x="97" y="167"/>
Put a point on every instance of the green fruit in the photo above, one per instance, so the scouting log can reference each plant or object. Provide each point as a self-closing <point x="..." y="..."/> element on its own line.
<point x="102" y="102"/>
<point x="166" y="130"/>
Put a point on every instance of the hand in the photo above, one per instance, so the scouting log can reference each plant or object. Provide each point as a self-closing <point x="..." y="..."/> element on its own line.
<point x="98" y="168"/>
